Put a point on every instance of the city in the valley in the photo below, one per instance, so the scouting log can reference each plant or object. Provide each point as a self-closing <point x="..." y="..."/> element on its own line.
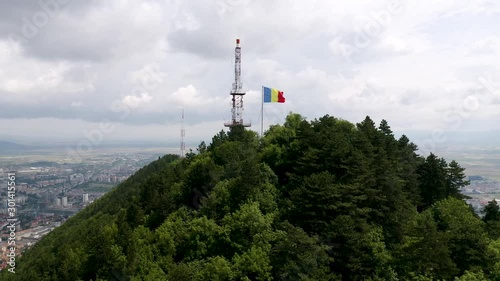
<point x="48" y="192"/>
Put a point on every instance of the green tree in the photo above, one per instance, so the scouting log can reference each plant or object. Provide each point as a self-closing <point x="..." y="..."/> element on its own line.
<point x="491" y="211"/>
<point x="492" y="219"/>
<point x="358" y="249"/>
<point x="217" y="140"/>
<point x="215" y="268"/>
<point x="493" y="255"/>
<point x="319" y="200"/>
<point x="244" y="224"/>
<point x="407" y="167"/>
<point x="433" y="181"/>
<point x="297" y="256"/>
<point x="467" y="239"/>
<point x="253" y="264"/>
<point x="455" y="180"/>
<point x="202" y="148"/>
<point x="425" y="250"/>
<point x="472" y="276"/>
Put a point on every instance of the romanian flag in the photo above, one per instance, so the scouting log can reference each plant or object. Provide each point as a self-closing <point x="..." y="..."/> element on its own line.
<point x="273" y="95"/>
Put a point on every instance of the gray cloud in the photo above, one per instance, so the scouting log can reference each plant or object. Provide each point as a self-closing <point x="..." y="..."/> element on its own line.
<point x="93" y="55"/>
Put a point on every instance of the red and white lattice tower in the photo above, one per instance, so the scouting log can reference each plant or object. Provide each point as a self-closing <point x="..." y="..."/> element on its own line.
<point x="183" y="134"/>
<point x="237" y="93"/>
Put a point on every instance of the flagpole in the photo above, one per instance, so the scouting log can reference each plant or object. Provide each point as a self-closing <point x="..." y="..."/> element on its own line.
<point x="262" y="114"/>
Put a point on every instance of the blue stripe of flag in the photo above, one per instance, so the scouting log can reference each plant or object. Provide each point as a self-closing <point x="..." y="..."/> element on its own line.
<point x="267" y="94"/>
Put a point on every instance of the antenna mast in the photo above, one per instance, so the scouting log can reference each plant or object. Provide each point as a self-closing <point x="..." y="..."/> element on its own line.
<point x="237" y="93"/>
<point x="183" y="134"/>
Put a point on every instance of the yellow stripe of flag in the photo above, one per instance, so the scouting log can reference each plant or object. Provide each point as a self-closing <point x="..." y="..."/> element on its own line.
<point x="274" y="95"/>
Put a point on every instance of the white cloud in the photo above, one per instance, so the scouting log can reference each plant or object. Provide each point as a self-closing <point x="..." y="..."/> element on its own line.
<point x="340" y="48"/>
<point x="185" y="96"/>
<point x="404" y="45"/>
<point x="186" y="21"/>
<point x="487" y="45"/>
<point x="135" y="101"/>
<point x="76" y="104"/>
<point x="190" y="97"/>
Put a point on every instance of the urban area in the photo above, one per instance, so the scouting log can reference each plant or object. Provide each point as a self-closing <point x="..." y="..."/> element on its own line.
<point x="48" y="193"/>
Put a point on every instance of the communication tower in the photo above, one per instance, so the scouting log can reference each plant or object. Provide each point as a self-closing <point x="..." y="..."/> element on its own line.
<point x="183" y="134"/>
<point x="237" y="93"/>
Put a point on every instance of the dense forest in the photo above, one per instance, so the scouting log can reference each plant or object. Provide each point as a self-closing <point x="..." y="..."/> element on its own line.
<point x="311" y="200"/>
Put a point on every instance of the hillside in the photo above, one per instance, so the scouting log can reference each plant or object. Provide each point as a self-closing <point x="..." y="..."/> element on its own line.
<point x="311" y="200"/>
<point x="6" y="146"/>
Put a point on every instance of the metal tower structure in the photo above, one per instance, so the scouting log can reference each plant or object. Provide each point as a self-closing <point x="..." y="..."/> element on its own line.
<point x="183" y="134"/>
<point x="237" y="93"/>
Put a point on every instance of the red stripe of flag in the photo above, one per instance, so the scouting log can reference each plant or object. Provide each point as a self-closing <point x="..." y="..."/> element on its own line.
<point x="281" y="98"/>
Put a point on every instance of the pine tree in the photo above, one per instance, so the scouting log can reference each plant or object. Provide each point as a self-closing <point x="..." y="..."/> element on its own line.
<point x="455" y="180"/>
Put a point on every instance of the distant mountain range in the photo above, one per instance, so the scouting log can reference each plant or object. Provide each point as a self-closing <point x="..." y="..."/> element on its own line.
<point x="9" y="146"/>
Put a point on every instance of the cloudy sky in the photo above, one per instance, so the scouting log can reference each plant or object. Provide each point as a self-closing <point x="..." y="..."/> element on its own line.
<point x="70" y="69"/>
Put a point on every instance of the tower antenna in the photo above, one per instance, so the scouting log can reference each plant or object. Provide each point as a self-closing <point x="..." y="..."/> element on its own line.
<point x="237" y="93"/>
<point x="183" y="134"/>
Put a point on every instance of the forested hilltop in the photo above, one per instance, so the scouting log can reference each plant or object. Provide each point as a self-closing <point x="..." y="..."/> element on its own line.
<point x="311" y="200"/>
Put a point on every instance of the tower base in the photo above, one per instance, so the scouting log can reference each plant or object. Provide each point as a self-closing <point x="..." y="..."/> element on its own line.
<point x="234" y="124"/>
